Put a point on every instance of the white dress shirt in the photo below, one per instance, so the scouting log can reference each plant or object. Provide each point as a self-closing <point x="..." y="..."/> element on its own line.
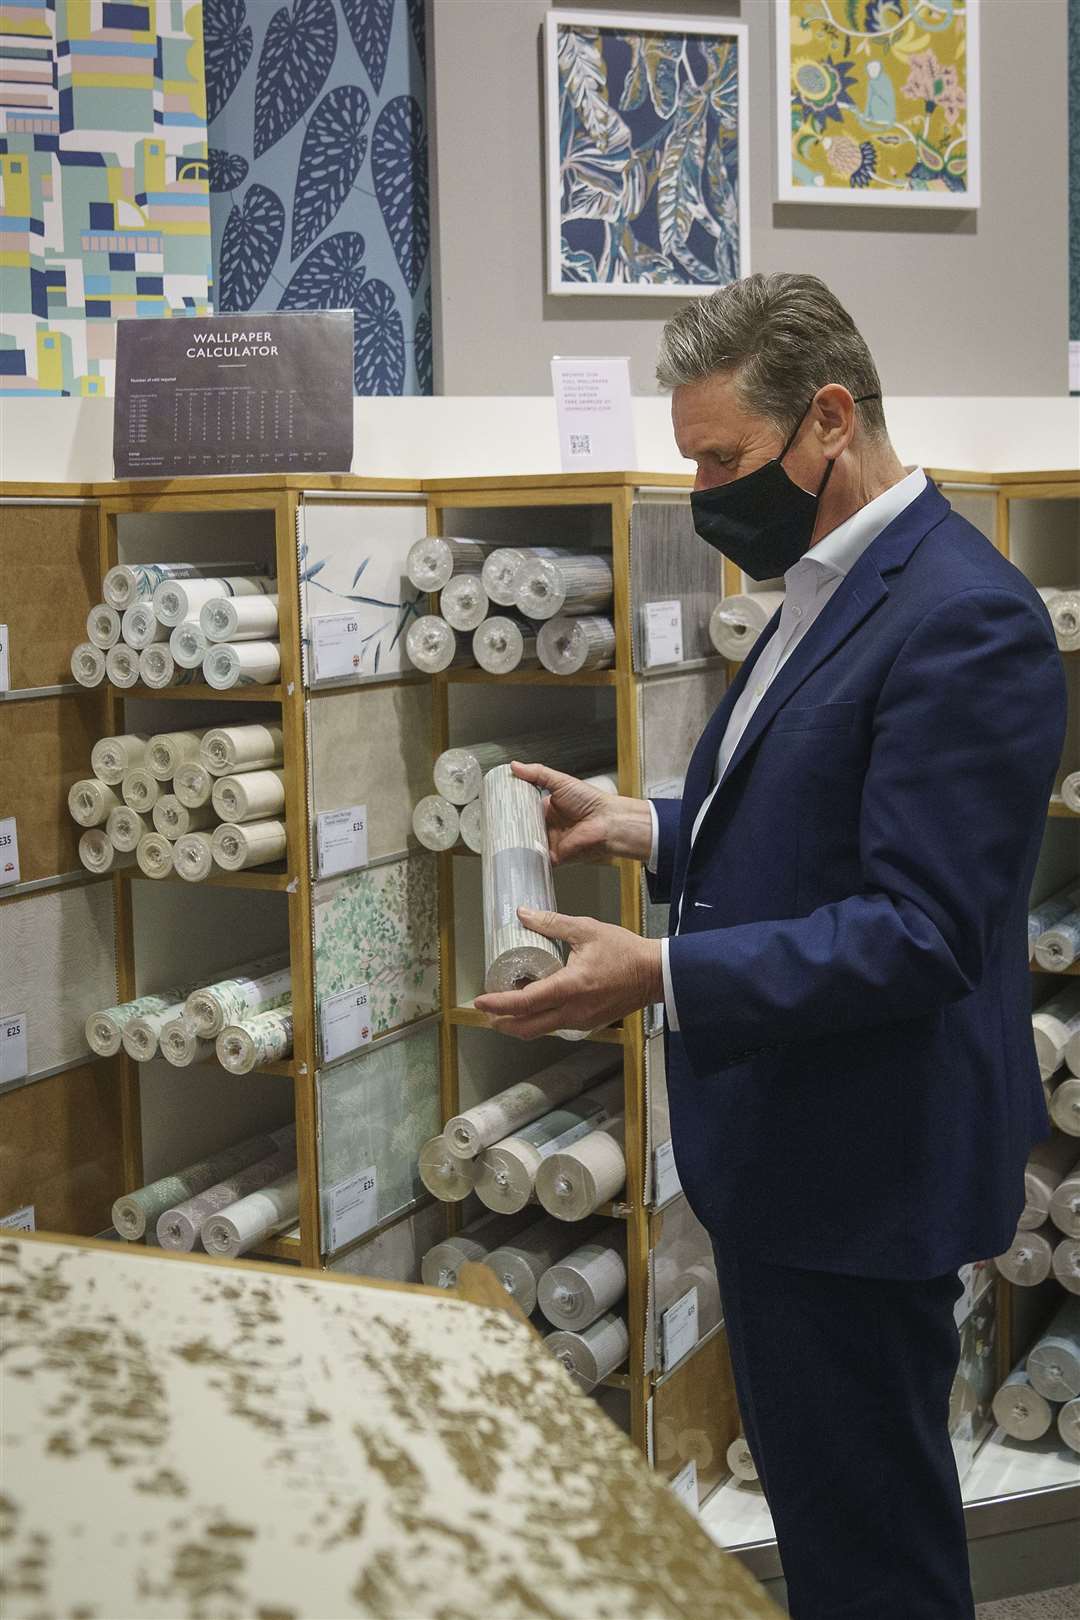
<point x="808" y="585"/>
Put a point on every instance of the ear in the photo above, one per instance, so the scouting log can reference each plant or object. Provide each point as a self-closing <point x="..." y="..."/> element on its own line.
<point x="834" y="418"/>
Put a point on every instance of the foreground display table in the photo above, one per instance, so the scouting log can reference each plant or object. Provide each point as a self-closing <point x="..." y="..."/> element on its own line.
<point x="198" y="1438"/>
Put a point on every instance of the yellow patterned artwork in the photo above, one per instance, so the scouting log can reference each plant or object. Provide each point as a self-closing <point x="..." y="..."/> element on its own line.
<point x="878" y="102"/>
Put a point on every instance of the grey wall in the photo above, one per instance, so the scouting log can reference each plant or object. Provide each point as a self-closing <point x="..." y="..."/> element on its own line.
<point x="951" y="303"/>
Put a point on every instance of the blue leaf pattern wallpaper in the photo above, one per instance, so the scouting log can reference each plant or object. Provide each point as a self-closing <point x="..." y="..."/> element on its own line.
<point x="317" y="119"/>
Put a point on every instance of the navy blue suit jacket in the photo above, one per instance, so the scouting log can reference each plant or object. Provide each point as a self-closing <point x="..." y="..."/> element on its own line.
<point x="854" y="1088"/>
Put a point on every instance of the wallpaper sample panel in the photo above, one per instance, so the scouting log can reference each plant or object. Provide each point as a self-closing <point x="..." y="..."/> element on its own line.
<point x="675" y="710"/>
<point x="372" y="747"/>
<point x="395" y="1255"/>
<point x="352" y="560"/>
<point x="669" y="562"/>
<point x="380" y="928"/>
<point x="376" y="1111"/>
<point x="61" y="1149"/>
<point x="49" y="563"/>
<point x="44" y="749"/>
<point x="103" y="168"/>
<point x="319" y="171"/>
<point x="682" y="1259"/>
<point x="59" y="954"/>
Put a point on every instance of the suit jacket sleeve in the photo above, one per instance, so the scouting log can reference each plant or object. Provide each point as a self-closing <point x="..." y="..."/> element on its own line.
<point x="667" y="815"/>
<point x="967" y="737"/>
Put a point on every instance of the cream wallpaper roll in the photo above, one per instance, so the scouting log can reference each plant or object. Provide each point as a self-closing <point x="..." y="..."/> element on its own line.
<point x="521" y="1261"/>
<point x="90" y="802"/>
<point x="254" y="747"/>
<point x="174" y="819"/>
<point x="192" y="857"/>
<point x="567" y="646"/>
<point x="578" y="1179"/>
<point x="181" y="1226"/>
<point x="259" y="986"/>
<point x="516" y="872"/>
<point x="122" y="665"/>
<point x="126" y="826"/>
<point x="1019" y="1408"/>
<point x="140" y="626"/>
<point x="471" y="826"/>
<point x="133" y="582"/>
<point x="431" y="562"/>
<point x="240" y="618"/>
<point x="247" y="1223"/>
<point x="159" y="669"/>
<point x="1047" y="1163"/>
<point x="1029" y="1258"/>
<point x="1063" y="607"/>
<point x="262" y="1037"/>
<point x="105" y="1026"/>
<point x="99" y="854"/>
<point x="238" y="845"/>
<point x="477" y="1128"/>
<point x="441" y="1263"/>
<point x="446" y="1177"/>
<point x="89" y="664"/>
<point x="1065" y="1106"/>
<point x="580" y="583"/>
<point x="154" y="853"/>
<point x="176" y="599"/>
<point x="1053" y="1364"/>
<point x="103" y="626"/>
<point x="110" y="757"/>
<point x="1065" y="1200"/>
<point x="243" y="663"/>
<point x="1067" y="1263"/>
<point x="736" y="622"/>
<point x="250" y="796"/>
<point x="188" y="644"/>
<point x="388" y="779"/>
<point x="58" y="937"/>
<point x="592" y="1353"/>
<point x="193" y="785"/>
<point x="142" y="1035"/>
<point x="740" y="1460"/>
<point x="168" y="750"/>
<point x="1068" y="1422"/>
<point x="1053" y="1025"/>
<point x="1058" y="947"/>
<point x="586" y="1282"/>
<point x="181" y="1047"/>
<point x="508" y="1168"/>
<point x="141" y="789"/>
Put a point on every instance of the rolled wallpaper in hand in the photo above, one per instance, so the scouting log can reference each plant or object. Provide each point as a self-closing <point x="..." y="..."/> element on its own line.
<point x="244" y="1225"/>
<point x="389" y="778"/>
<point x="58" y="937"/>
<point x="137" y="1210"/>
<point x="379" y="927"/>
<point x="180" y="1227"/>
<point x="516" y="872"/>
<point x="668" y="562"/>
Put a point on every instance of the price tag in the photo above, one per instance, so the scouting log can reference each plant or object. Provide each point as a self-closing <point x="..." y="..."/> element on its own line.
<point x="666" y="1183"/>
<point x="13" y="1061"/>
<point x="9" y="851"/>
<point x="345" y="1022"/>
<point x="5" y="665"/>
<point x="684" y="1485"/>
<point x="670" y="787"/>
<point x="679" y="1328"/>
<point x="341" y="839"/>
<point x="335" y="641"/>
<point x="352" y="1207"/>
<point x="20" y="1220"/>
<point x="663" y="633"/>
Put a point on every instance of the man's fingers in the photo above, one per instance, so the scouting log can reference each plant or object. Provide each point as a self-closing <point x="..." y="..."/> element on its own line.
<point x="554" y="925"/>
<point x="542" y="776"/>
<point x="528" y="1029"/>
<point x="541" y="996"/>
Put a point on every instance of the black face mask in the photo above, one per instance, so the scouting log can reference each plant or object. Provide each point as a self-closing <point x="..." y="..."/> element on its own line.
<point x="763" y="521"/>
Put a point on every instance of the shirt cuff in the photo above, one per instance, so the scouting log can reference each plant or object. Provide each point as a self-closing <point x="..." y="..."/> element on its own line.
<point x="654" y="847"/>
<point x="669" y="989"/>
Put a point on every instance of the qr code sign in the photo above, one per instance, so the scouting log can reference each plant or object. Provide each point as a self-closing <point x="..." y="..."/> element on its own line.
<point x="580" y="444"/>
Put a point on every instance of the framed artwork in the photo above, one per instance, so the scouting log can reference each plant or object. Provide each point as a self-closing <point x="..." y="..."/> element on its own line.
<point x="647" y="183"/>
<point x="878" y="102"/>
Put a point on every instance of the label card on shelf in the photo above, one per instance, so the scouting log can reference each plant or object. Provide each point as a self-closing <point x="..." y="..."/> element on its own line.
<point x="341" y="839"/>
<point x="666" y="1183"/>
<point x="684" y="1485"/>
<point x="20" y="1220"/>
<point x="595" y="416"/>
<point x="351" y="1208"/>
<point x="346" y="1023"/>
<point x="669" y="787"/>
<point x="663" y="633"/>
<point x="335" y="645"/>
<point x="9" y="851"/>
<point x="13" y="1059"/>
<point x="5" y="664"/>
<point x="679" y="1328"/>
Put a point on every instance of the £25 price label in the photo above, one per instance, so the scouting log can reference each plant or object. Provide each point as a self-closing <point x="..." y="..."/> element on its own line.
<point x="346" y="1024"/>
<point x="13" y="1061"/>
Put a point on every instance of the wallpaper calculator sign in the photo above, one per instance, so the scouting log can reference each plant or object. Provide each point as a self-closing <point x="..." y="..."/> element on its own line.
<point x="234" y="394"/>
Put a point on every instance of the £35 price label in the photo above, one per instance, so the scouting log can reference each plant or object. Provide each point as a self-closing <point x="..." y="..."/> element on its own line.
<point x="9" y="851"/>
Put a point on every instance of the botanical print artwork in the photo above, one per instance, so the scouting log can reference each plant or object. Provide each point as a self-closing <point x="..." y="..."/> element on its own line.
<point x="352" y="560"/>
<point x="878" y="101"/>
<point x="646" y="163"/>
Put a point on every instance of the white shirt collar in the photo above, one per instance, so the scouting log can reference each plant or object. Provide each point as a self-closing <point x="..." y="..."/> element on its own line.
<point x="841" y="549"/>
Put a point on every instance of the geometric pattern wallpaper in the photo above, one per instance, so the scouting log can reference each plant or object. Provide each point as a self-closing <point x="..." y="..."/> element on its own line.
<point x="318" y="145"/>
<point x="104" y="210"/>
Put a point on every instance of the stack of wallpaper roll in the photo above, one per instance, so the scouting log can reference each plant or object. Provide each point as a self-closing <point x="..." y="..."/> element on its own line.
<point x="1056" y="1030"/>
<point x="1044" y="1390"/>
<point x="227" y="1203"/>
<point x="244" y="1021"/>
<point x="1048" y="1234"/>
<point x="737" y="621"/>
<point x="556" y="606"/>
<point x="1054" y="931"/>
<point x="452" y="815"/>
<point x="1063" y="606"/>
<point x="183" y="801"/>
<point x="169" y="624"/>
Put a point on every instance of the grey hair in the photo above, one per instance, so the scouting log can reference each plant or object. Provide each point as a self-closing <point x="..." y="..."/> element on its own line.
<point x="784" y="337"/>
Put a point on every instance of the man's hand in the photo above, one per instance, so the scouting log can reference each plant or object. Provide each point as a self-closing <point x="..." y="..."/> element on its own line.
<point x="611" y="972"/>
<point x="583" y="823"/>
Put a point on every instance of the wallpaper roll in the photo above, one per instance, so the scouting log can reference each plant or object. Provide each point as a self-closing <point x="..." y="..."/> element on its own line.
<point x="141" y="1036"/>
<point x="471" y="824"/>
<point x="459" y="772"/>
<point x="516" y="872"/>
<point x="193" y="857"/>
<point x="249" y="843"/>
<point x="1059" y="947"/>
<point x="90" y="801"/>
<point x="240" y="618"/>
<point x="1047" y="1163"/>
<point x="244" y="1225"/>
<point x="1053" y="1365"/>
<point x="1051" y="911"/>
<point x="122" y="665"/>
<point x="578" y="1179"/>
<point x="521" y="1261"/>
<point x="261" y="986"/>
<point x="131" y="582"/>
<point x="179" y="1227"/>
<point x="168" y="750"/>
<point x="227" y="749"/>
<point x="446" y="1177"/>
<point x="103" y="626"/>
<point x="740" y="1460"/>
<point x="174" y="819"/>
<point x="181" y="1047"/>
<point x="1054" y="1025"/>
<point x="566" y="646"/>
<point x="436" y="822"/>
<point x="250" y="796"/>
<point x="125" y="827"/>
<point x="193" y="784"/>
<point x="593" y="1353"/>
<point x="1068" y="1422"/>
<point x="507" y="1170"/>
<point x="182" y="599"/>
<point x="141" y="625"/>
<point x="99" y="854"/>
<point x="141" y="789"/>
<point x="88" y="664"/>
<point x="432" y="645"/>
<point x="1065" y="1200"/>
<point x="188" y="644"/>
<point x="1019" y="1408"/>
<point x="1070" y="792"/>
<point x="464" y="602"/>
<point x="137" y="1210"/>
<point x="432" y="562"/>
<point x="501" y="567"/>
<point x="159" y="669"/>
<point x="545" y="586"/>
<point x="105" y="1029"/>
<point x="440" y="1265"/>
<point x="110" y="757"/>
<point x="264" y="1037"/>
<point x="1063" y="606"/>
<point x="586" y="1282"/>
<point x="1065" y="1106"/>
<point x="1029" y="1258"/>
<point x="502" y="644"/>
<point x="508" y="1111"/>
<point x="1067" y="1264"/>
<point x="242" y="663"/>
<point x="737" y="621"/>
<point x="154" y="853"/>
